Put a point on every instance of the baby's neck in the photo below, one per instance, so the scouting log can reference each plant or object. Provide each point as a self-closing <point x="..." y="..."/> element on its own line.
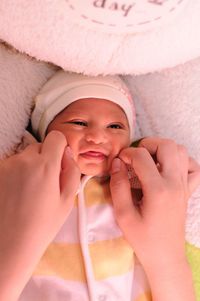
<point x="100" y="179"/>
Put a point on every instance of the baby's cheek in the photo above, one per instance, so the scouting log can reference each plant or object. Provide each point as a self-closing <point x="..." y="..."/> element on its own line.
<point x="116" y="150"/>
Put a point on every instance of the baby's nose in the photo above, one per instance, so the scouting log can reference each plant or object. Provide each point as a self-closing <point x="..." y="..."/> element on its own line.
<point x="96" y="136"/>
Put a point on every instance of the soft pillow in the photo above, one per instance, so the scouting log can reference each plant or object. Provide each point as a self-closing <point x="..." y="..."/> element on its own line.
<point x="104" y="36"/>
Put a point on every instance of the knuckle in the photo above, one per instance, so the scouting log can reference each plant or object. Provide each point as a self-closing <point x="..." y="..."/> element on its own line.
<point x="154" y="139"/>
<point x="168" y="142"/>
<point x="126" y="154"/>
<point x="182" y="149"/>
<point x="143" y="140"/>
<point x="140" y="151"/>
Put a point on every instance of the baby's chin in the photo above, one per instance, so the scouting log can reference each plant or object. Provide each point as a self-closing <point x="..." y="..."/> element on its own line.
<point x="94" y="171"/>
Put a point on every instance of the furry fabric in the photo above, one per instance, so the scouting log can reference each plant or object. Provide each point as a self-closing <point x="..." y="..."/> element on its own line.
<point x="20" y="79"/>
<point x="77" y="35"/>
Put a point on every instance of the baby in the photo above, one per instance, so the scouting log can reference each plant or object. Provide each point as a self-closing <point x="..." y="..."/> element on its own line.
<point x="89" y="258"/>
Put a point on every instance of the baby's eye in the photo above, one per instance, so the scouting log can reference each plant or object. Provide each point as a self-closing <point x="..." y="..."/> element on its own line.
<point x="115" y="126"/>
<point x="79" y="122"/>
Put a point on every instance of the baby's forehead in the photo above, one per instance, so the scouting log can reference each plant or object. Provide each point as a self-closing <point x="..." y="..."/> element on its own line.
<point x="94" y="108"/>
<point x="89" y="104"/>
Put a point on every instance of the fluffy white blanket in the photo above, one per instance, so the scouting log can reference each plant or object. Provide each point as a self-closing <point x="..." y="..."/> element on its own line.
<point x="104" y="36"/>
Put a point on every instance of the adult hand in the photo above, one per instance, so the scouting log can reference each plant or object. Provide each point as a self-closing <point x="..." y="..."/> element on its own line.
<point x="168" y="177"/>
<point x="156" y="228"/>
<point x="38" y="187"/>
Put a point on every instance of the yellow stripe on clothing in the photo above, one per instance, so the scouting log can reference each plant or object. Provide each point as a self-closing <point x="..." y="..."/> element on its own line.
<point x="144" y="297"/>
<point x="62" y="260"/>
<point x="109" y="258"/>
<point x="193" y="255"/>
<point x="97" y="193"/>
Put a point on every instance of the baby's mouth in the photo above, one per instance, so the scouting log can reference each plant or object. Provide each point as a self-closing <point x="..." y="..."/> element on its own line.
<point x="93" y="155"/>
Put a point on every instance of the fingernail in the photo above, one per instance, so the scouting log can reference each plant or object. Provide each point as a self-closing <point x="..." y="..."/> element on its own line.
<point x="116" y="165"/>
<point x="69" y="151"/>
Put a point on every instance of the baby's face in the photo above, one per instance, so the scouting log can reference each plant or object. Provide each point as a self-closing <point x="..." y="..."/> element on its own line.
<point x="96" y="130"/>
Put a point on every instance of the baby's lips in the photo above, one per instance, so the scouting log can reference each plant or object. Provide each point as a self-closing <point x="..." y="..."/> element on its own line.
<point x="93" y="155"/>
<point x="94" y="151"/>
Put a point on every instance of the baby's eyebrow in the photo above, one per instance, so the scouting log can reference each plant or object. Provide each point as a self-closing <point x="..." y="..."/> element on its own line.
<point x="79" y="113"/>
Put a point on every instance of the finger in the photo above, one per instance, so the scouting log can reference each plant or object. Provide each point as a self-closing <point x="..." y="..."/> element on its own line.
<point x="143" y="165"/>
<point x="193" y="165"/>
<point x="33" y="148"/>
<point x="193" y="175"/>
<point x="121" y="192"/>
<point x="166" y="154"/>
<point x="53" y="146"/>
<point x="69" y="176"/>
<point x="127" y="154"/>
<point x="183" y="163"/>
<point x="68" y="154"/>
<point x="150" y="143"/>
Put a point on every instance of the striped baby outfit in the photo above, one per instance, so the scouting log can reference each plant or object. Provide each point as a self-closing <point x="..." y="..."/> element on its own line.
<point x="89" y="260"/>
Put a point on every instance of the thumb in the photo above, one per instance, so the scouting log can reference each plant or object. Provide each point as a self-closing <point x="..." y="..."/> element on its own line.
<point x="69" y="176"/>
<point x="124" y="208"/>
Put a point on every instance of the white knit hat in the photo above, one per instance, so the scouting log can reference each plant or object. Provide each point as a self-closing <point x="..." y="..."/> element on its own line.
<point x="64" y="88"/>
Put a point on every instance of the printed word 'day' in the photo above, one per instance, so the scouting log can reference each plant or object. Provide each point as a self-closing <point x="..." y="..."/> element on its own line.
<point x="114" y="6"/>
